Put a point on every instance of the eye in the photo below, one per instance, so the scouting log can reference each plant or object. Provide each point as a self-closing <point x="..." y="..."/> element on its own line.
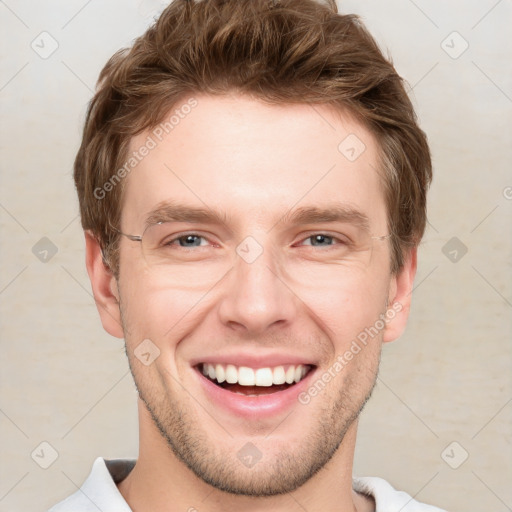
<point x="324" y="240"/>
<point x="187" y="240"/>
<point x="191" y="240"/>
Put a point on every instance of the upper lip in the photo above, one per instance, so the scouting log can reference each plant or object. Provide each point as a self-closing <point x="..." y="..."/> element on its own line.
<point x="253" y="360"/>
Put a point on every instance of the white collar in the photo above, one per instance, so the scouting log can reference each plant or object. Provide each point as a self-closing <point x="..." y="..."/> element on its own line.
<point x="100" y="492"/>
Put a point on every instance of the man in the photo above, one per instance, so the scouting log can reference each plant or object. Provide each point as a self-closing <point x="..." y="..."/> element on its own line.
<point x="252" y="186"/>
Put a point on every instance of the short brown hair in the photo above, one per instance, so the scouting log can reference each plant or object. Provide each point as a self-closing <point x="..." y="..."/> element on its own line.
<point x="281" y="51"/>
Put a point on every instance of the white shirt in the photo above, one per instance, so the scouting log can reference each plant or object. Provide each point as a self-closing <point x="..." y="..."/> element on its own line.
<point x="100" y="492"/>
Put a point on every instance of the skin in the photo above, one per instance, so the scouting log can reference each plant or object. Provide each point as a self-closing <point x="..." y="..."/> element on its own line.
<point x="235" y="154"/>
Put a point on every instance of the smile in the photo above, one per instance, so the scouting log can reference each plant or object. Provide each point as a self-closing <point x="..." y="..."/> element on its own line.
<point x="247" y="381"/>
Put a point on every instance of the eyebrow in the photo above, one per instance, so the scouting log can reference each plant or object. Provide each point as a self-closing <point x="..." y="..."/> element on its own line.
<point x="176" y="212"/>
<point x="330" y="213"/>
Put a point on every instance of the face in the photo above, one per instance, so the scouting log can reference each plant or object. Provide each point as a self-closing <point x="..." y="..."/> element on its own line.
<point x="266" y="290"/>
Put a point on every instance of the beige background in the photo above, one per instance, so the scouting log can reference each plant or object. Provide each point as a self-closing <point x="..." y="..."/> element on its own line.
<point x="65" y="382"/>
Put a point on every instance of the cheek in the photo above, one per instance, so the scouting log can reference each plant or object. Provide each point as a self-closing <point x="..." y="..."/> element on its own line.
<point x="160" y="313"/>
<point x="347" y="307"/>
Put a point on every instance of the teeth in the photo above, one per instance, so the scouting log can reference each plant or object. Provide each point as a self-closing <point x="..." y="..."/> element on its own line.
<point x="279" y="376"/>
<point x="220" y="374"/>
<point x="231" y="374"/>
<point x="264" y="377"/>
<point x="246" y="376"/>
<point x="290" y="375"/>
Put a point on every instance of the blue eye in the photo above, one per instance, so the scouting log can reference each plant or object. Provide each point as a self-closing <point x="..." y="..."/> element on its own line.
<point x="319" y="239"/>
<point x="323" y="240"/>
<point x="189" y="240"/>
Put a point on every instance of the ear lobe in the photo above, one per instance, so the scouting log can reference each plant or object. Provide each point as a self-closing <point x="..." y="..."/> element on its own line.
<point x="104" y="287"/>
<point x="400" y="295"/>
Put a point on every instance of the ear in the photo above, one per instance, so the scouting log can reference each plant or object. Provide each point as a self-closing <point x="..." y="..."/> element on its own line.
<point x="104" y="287"/>
<point x="399" y="299"/>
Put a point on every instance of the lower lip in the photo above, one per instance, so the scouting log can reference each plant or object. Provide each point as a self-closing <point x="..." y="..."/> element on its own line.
<point x="255" y="407"/>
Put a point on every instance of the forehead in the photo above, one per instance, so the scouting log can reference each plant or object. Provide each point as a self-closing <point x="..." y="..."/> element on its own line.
<point x="254" y="163"/>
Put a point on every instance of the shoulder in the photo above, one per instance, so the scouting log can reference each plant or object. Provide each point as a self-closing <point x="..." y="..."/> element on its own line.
<point x="388" y="499"/>
<point x="99" y="491"/>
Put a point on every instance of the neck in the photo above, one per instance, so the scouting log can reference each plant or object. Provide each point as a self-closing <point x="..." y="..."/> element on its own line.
<point x="162" y="483"/>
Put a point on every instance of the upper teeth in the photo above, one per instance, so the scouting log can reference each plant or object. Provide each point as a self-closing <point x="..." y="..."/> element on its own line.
<point x="249" y="377"/>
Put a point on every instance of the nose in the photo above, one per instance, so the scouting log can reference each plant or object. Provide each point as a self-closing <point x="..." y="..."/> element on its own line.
<point x="256" y="296"/>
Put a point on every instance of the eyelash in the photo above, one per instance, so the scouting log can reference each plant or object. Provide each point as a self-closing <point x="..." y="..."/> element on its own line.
<point x="343" y="242"/>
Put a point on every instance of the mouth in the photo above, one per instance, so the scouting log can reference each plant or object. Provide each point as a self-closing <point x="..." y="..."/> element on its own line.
<point x="252" y="382"/>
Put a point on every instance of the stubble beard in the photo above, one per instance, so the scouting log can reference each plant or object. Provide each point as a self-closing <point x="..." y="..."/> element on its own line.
<point x="277" y="474"/>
